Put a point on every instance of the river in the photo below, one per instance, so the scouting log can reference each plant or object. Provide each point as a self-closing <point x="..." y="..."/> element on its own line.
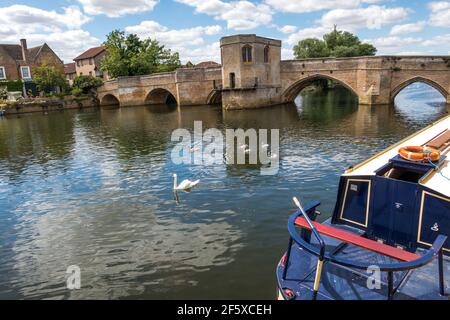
<point x="93" y="188"/>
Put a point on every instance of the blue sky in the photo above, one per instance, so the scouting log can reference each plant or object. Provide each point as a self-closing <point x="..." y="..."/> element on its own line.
<point x="194" y="27"/>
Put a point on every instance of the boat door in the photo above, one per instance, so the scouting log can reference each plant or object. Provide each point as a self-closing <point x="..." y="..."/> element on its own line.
<point x="394" y="210"/>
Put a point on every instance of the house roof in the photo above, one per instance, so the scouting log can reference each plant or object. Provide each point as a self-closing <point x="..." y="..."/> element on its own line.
<point x="69" y="68"/>
<point x="15" y="52"/>
<point x="207" y="64"/>
<point x="91" y="53"/>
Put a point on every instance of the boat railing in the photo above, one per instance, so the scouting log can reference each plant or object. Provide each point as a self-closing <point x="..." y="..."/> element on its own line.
<point x="436" y="251"/>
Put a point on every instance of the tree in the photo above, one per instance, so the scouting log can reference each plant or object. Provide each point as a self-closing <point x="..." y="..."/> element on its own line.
<point x="48" y="78"/>
<point x="311" y="48"/>
<point x="334" y="44"/>
<point x="130" y="56"/>
<point x="84" y="84"/>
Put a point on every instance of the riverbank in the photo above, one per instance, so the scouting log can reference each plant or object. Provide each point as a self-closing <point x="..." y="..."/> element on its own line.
<point x="31" y="105"/>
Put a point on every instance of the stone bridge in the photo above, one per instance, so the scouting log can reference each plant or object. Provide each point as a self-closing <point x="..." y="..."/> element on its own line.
<point x="190" y="86"/>
<point x="374" y="80"/>
<point x="253" y="75"/>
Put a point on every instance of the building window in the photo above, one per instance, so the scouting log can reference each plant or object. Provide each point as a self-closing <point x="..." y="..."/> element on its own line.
<point x="90" y="73"/>
<point x="247" y="53"/>
<point x="266" y="54"/>
<point x="91" y="61"/>
<point x="2" y="73"/>
<point x="25" y="71"/>
<point x="232" y="80"/>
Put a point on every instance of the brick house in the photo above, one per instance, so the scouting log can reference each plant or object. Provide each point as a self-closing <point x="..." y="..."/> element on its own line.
<point x="89" y="63"/>
<point x="18" y="61"/>
<point x="70" y="72"/>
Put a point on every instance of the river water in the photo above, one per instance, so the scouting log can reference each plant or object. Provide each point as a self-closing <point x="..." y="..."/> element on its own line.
<point x="93" y="188"/>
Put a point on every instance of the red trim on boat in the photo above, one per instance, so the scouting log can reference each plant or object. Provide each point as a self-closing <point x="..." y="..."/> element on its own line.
<point x="359" y="241"/>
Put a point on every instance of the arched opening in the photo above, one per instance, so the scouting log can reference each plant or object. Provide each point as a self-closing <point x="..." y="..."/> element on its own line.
<point x="109" y="100"/>
<point x="160" y="97"/>
<point x="247" y="53"/>
<point x="214" y="98"/>
<point x="315" y="83"/>
<point x="419" y="99"/>
<point x="322" y="96"/>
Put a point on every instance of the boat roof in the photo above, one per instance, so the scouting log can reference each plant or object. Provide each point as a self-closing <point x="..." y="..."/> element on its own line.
<point x="435" y="180"/>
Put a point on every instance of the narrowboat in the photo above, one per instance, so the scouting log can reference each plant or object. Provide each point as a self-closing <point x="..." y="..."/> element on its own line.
<point x="387" y="236"/>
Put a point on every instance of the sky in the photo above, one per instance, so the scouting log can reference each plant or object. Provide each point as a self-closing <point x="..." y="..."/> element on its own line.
<point x="194" y="27"/>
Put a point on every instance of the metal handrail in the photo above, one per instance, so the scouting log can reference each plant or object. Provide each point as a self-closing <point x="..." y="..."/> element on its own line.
<point x="319" y="238"/>
<point x="435" y="251"/>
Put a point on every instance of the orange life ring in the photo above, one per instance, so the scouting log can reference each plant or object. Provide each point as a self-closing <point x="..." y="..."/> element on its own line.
<point x="419" y="153"/>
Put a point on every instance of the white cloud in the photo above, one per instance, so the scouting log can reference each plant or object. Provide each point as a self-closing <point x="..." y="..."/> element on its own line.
<point x="61" y="31"/>
<point x="117" y="8"/>
<point x="372" y="17"/>
<point x="441" y="40"/>
<point x="188" y="42"/>
<point x="394" y="42"/>
<point x="440" y="13"/>
<point x="66" y="44"/>
<point x="287" y="54"/>
<point x="22" y="18"/>
<point x="394" y="45"/>
<point x="301" y="6"/>
<point x="407" y="28"/>
<point x="314" y="32"/>
<point x="180" y="37"/>
<point x="239" y="15"/>
<point x="210" y="52"/>
<point x="288" y="29"/>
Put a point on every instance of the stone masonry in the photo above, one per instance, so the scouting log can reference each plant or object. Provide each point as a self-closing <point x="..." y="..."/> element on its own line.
<point x="253" y="75"/>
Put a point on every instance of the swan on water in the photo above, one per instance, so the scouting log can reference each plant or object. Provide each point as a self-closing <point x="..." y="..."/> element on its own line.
<point x="185" y="184"/>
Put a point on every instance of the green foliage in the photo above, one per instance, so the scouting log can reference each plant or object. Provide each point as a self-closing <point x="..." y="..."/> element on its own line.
<point x="311" y="48"/>
<point x="12" y="85"/>
<point x="85" y="84"/>
<point x="334" y="44"/>
<point x="77" y="92"/>
<point x="47" y="78"/>
<point x="3" y="93"/>
<point x="130" y="56"/>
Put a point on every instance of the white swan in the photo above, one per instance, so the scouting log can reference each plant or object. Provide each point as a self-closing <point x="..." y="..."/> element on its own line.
<point x="185" y="184"/>
<point x="244" y="146"/>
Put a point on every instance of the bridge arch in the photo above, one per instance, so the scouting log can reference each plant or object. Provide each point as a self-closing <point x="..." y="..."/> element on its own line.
<point x="109" y="100"/>
<point x="410" y="81"/>
<point x="214" y="98"/>
<point x="293" y="90"/>
<point x="160" y="96"/>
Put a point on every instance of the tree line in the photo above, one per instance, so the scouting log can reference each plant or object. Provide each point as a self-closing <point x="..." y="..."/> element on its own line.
<point x="334" y="44"/>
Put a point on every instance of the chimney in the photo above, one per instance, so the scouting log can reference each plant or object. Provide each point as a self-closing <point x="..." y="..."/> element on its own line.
<point x="23" y="44"/>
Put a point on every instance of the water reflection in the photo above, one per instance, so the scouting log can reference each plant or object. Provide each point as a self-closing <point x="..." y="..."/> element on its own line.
<point x="94" y="189"/>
